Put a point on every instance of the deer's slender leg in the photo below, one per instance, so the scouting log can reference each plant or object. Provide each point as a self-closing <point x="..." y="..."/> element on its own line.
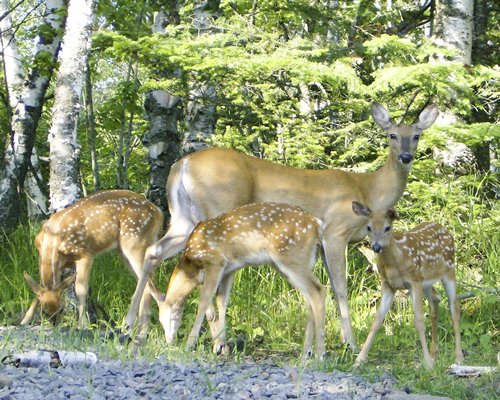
<point x="417" y="300"/>
<point x="334" y="249"/>
<point x="433" y="299"/>
<point x="222" y="300"/>
<point x="207" y="291"/>
<point x="450" y="287"/>
<point x="314" y="295"/>
<point x="31" y="312"/>
<point x="385" y="305"/>
<point x="83" y="268"/>
<point x="172" y="243"/>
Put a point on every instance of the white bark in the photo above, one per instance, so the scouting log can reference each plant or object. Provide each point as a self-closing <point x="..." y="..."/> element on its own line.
<point x="12" y="63"/>
<point x="36" y="202"/>
<point x="453" y="26"/>
<point x="162" y="139"/>
<point x="200" y="118"/>
<point x="64" y="147"/>
<point x="200" y="109"/>
<point x="26" y="94"/>
<point x="452" y="29"/>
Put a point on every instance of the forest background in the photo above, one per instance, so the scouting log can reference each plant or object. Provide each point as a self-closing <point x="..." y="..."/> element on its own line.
<point x="146" y="82"/>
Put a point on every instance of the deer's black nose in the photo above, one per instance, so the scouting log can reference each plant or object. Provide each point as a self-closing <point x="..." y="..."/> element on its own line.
<point x="406" y="158"/>
<point x="377" y="248"/>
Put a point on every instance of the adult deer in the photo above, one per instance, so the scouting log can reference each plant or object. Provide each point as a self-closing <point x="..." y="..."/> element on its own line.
<point x="252" y="234"/>
<point x="209" y="182"/>
<point x="412" y="260"/>
<point x="105" y="220"/>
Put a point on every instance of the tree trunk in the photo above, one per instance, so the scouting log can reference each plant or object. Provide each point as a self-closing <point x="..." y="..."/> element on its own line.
<point x="26" y="101"/>
<point x="453" y="28"/>
<point x="120" y="173"/>
<point x="162" y="140"/>
<point x="481" y="50"/>
<point x="200" y="118"/>
<point x="64" y="147"/>
<point x="35" y="190"/>
<point x="200" y="110"/>
<point x="126" y="127"/>
<point x="91" y="132"/>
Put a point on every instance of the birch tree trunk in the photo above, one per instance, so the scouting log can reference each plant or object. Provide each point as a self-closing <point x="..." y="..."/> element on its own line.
<point x="90" y="125"/>
<point x="453" y="28"/>
<point x="481" y="50"/>
<point x="26" y="94"/>
<point x="34" y="187"/>
<point x="162" y="140"/>
<point x="200" y="109"/>
<point x="64" y="147"/>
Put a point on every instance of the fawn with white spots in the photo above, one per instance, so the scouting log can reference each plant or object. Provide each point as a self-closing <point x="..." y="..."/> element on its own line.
<point x="210" y="182"/>
<point x="274" y="233"/>
<point x="114" y="219"/>
<point x="413" y="260"/>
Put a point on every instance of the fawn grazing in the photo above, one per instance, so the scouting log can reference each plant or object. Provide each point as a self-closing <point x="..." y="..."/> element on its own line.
<point x="210" y="182"/>
<point x="274" y="233"/>
<point x="74" y="236"/>
<point x="412" y="260"/>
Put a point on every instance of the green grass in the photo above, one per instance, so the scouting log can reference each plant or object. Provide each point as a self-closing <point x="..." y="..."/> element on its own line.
<point x="267" y="317"/>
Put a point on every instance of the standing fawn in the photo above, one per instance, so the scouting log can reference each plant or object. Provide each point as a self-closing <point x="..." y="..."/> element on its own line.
<point x="280" y="234"/>
<point x="210" y="182"/>
<point x="114" y="219"/>
<point x="413" y="260"/>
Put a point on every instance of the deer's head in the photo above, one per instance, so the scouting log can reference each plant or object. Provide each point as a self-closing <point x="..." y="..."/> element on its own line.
<point x="379" y="225"/>
<point x="185" y="278"/>
<point x="50" y="299"/>
<point x="403" y="139"/>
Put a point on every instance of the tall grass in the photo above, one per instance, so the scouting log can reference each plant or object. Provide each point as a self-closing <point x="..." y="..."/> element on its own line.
<point x="266" y="316"/>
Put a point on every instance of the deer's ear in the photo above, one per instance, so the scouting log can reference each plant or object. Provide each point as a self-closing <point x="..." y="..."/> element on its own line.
<point x="34" y="285"/>
<point x="392" y="214"/>
<point x="427" y="117"/>
<point x="381" y="116"/>
<point x="360" y="209"/>
<point x="66" y="283"/>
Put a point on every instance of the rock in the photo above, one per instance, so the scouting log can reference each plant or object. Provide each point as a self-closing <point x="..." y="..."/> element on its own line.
<point x="6" y="381"/>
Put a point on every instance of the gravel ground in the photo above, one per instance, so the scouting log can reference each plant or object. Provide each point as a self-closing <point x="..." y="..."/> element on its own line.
<point x="163" y="379"/>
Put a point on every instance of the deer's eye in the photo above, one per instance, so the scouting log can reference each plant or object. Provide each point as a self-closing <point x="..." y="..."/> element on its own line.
<point x="387" y="228"/>
<point x="393" y="136"/>
<point x="416" y="137"/>
<point x="369" y="229"/>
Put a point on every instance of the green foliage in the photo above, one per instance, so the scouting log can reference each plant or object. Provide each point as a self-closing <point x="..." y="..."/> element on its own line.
<point x="293" y="83"/>
<point x="266" y="316"/>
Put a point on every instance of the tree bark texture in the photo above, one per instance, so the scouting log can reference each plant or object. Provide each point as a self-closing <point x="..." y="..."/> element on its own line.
<point x="481" y="50"/>
<point x="64" y="148"/>
<point x="200" y="109"/>
<point x="453" y="28"/>
<point x="162" y="140"/>
<point x="163" y="112"/>
<point x="35" y="190"/>
<point x="200" y="118"/>
<point x="26" y="98"/>
<point x="91" y="131"/>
